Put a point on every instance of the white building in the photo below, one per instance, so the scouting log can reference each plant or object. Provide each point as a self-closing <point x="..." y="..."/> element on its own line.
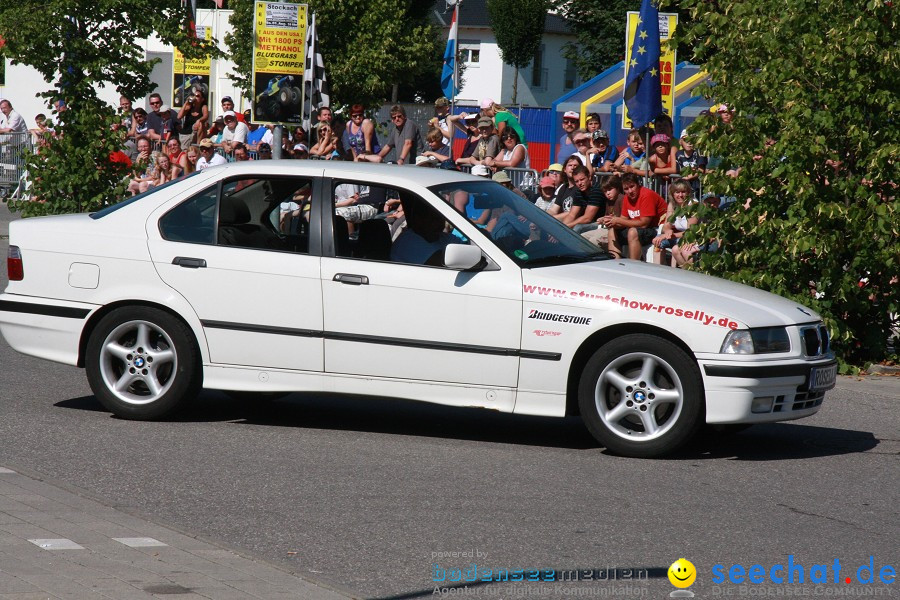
<point x="22" y="83"/>
<point x="548" y="77"/>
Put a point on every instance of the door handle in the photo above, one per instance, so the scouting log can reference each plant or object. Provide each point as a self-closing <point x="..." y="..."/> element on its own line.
<point x="188" y="262"/>
<point x="351" y="279"/>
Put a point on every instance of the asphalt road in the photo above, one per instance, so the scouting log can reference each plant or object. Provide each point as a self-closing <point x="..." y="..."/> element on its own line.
<point x="364" y="493"/>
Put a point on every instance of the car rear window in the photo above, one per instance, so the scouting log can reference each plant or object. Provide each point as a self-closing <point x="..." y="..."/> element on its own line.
<point x="114" y="207"/>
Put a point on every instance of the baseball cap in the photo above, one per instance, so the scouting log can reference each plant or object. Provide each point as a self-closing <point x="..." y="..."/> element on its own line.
<point x="301" y="147"/>
<point x="555" y="167"/>
<point x="206" y="143"/>
<point x="501" y="177"/>
<point x="684" y="134"/>
<point x="571" y="114"/>
<point x="485" y="122"/>
<point x="264" y="147"/>
<point x="164" y="108"/>
<point x="547" y="182"/>
<point x="723" y="108"/>
<point x="425" y="160"/>
<point x="227" y="99"/>
<point x="659" y="138"/>
<point x="487" y="103"/>
<point x="229" y="113"/>
<point x="600" y="134"/>
<point x="480" y="170"/>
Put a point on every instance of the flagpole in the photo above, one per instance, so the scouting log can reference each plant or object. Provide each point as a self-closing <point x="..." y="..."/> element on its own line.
<point x="456" y="61"/>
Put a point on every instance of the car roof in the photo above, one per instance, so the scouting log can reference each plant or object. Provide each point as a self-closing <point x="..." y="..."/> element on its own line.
<point x="423" y="176"/>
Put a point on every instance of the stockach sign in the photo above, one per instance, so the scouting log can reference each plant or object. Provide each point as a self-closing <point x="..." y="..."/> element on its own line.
<point x="191" y="74"/>
<point x="279" y="54"/>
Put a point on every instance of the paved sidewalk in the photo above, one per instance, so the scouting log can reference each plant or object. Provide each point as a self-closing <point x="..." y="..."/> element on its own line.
<point x="57" y="544"/>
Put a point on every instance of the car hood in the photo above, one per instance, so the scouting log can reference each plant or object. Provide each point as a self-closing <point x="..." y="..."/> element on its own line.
<point x="584" y="283"/>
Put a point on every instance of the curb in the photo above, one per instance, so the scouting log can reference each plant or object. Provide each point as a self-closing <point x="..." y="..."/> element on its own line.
<point x="883" y="370"/>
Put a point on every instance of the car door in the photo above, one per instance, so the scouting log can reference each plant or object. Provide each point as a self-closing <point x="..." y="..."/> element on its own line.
<point x="243" y="254"/>
<point x="392" y="319"/>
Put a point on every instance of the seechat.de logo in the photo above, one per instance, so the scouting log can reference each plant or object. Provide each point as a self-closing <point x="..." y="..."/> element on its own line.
<point x="795" y="572"/>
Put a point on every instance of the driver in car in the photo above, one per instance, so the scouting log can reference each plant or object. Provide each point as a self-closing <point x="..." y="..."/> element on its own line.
<point x="424" y="239"/>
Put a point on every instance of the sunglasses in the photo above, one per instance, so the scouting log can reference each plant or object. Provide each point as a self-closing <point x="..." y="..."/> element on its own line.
<point x="396" y="117"/>
<point x="152" y="103"/>
<point x="355" y="116"/>
<point x="580" y="141"/>
<point x="570" y="120"/>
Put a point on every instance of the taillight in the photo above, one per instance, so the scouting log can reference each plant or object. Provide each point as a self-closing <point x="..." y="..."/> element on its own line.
<point x="14" y="267"/>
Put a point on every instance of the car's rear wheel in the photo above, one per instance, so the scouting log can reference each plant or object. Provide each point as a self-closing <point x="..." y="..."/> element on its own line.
<point x="142" y="363"/>
<point x="641" y="396"/>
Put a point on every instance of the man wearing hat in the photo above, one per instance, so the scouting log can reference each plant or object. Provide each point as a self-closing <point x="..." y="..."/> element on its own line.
<point x="503" y="179"/>
<point x="603" y="156"/>
<point x="228" y="104"/>
<point x="440" y="119"/>
<point x="570" y="122"/>
<point x="487" y="147"/>
<point x="234" y="131"/>
<point x="208" y="155"/>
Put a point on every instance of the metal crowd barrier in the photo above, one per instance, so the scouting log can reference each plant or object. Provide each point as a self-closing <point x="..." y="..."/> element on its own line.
<point x="524" y="179"/>
<point x="14" y="182"/>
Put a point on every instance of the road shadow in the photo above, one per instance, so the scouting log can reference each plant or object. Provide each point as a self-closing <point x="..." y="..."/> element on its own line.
<point x="368" y="414"/>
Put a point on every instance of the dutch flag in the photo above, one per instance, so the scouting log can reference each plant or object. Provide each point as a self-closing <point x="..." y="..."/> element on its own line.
<point x="448" y="85"/>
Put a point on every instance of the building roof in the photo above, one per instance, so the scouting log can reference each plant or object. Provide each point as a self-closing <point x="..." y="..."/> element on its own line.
<point x="474" y="14"/>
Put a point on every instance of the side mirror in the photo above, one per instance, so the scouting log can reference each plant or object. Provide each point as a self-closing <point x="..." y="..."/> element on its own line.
<point x="462" y="257"/>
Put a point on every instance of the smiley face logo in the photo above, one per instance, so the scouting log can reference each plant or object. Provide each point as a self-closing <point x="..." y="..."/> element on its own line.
<point x="682" y="573"/>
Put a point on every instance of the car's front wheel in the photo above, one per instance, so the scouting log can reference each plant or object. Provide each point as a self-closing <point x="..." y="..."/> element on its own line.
<point x="641" y="396"/>
<point x="142" y="363"/>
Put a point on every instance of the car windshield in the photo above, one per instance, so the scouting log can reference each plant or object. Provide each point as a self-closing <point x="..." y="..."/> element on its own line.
<point x="525" y="233"/>
<point x="114" y="207"/>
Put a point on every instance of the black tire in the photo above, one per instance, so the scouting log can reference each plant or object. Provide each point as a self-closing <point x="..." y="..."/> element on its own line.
<point x="641" y="396"/>
<point x="152" y="354"/>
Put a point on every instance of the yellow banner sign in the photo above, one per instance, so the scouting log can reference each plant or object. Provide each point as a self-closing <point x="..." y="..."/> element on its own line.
<point x="280" y="40"/>
<point x="194" y="66"/>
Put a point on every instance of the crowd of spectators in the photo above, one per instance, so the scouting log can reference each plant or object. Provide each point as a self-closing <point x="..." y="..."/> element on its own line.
<point x="596" y="190"/>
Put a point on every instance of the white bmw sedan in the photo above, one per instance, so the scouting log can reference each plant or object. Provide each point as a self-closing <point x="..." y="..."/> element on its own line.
<point x="421" y="284"/>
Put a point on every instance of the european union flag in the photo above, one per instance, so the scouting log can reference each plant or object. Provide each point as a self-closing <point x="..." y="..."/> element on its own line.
<point x="643" y="93"/>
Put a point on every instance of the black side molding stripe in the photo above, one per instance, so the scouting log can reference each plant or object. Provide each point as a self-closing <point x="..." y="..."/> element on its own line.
<point x="758" y="372"/>
<point x="261" y="328"/>
<point x="44" y="309"/>
<point x="385" y="341"/>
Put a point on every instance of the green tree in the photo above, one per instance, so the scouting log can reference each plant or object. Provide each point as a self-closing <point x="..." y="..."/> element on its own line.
<point x="81" y="45"/>
<point x="519" y="27"/>
<point x="368" y="47"/>
<point x="815" y="143"/>
<point x="599" y="31"/>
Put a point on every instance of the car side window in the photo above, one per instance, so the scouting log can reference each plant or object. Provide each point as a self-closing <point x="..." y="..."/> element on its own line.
<point x="374" y="222"/>
<point x="267" y="213"/>
<point x="193" y="220"/>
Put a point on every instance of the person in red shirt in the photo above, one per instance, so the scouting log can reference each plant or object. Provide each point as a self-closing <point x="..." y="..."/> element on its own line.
<point x="637" y="225"/>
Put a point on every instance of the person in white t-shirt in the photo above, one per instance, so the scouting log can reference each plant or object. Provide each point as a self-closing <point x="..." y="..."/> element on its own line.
<point x="234" y="131"/>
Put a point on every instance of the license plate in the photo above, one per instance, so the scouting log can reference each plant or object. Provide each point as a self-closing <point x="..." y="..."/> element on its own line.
<point x="822" y="378"/>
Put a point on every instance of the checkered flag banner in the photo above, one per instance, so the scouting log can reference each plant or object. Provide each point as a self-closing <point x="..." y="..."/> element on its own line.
<point x="315" y="84"/>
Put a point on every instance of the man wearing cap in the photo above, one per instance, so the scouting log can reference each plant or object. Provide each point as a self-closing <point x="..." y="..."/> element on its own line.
<point x="570" y="122"/>
<point x="487" y="147"/>
<point x="208" y="155"/>
<point x="257" y="134"/>
<point x="404" y="136"/>
<point x="503" y="179"/>
<point x="546" y="190"/>
<point x="603" y="156"/>
<point x="228" y="104"/>
<point x="440" y="119"/>
<point x="234" y="131"/>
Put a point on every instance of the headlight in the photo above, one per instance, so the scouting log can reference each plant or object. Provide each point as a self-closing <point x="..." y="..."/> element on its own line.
<point x="765" y="340"/>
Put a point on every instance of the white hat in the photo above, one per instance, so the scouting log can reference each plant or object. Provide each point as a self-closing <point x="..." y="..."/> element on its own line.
<point x="228" y="113"/>
<point x="430" y="160"/>
<point x="164" y="108"/>
<point x="301" y="147"/>
<point x="571" y="114"/>
<point x="480" y="170"/>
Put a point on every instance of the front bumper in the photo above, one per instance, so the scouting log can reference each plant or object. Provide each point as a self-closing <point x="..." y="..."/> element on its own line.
<point x="781" y="390"/>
